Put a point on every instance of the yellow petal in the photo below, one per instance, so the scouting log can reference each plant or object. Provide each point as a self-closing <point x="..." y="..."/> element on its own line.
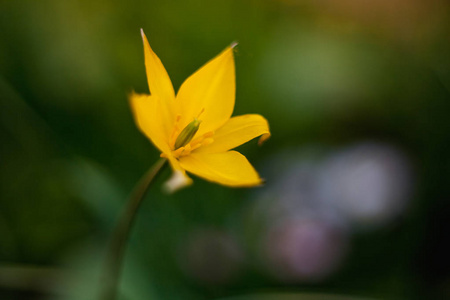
<point x="158" y="80"/>
<point x="209" y="92"/>
<point x="227" y="168"/>
<point x="153" y="118"/>
<point x="237" y="131"/>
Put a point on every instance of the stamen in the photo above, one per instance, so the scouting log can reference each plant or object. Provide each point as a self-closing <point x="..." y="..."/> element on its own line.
<point x="196" y="146"/>
<point x="175" y="131"/>
<point x="201" y="138"/>
<point x="207" y="141"/>
<point x="208" y="134"/>
<point x="203" y="109"/>
<point x="177" y="153"/>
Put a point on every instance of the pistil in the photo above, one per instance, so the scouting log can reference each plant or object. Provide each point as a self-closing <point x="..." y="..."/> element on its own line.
<point x="187" y="134"/>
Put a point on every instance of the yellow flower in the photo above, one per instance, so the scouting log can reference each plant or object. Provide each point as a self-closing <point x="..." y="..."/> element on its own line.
<point x="194" y="130"/>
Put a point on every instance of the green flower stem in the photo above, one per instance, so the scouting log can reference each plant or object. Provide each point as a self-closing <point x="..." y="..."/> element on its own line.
<point x="116" y="249"/>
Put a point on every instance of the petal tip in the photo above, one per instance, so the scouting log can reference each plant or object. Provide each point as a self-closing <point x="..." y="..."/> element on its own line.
<point x="263" y="138"/>
<point x="256" y="184"/>
<point x="144" y="38"/>
<point x="259" y="183"/>
<point x="233" y="44"/>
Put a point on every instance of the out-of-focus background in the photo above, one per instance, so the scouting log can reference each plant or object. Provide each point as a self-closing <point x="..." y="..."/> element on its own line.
<point x="356" y="202"/>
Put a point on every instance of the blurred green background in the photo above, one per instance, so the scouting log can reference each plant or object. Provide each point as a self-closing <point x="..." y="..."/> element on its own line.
<point x="358" y="166"/>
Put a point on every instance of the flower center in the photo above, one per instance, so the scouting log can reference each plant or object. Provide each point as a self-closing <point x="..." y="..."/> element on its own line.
<point x="202" y="140"/>
<point x="187" y="133"/>
<point x="184" y="143"/>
